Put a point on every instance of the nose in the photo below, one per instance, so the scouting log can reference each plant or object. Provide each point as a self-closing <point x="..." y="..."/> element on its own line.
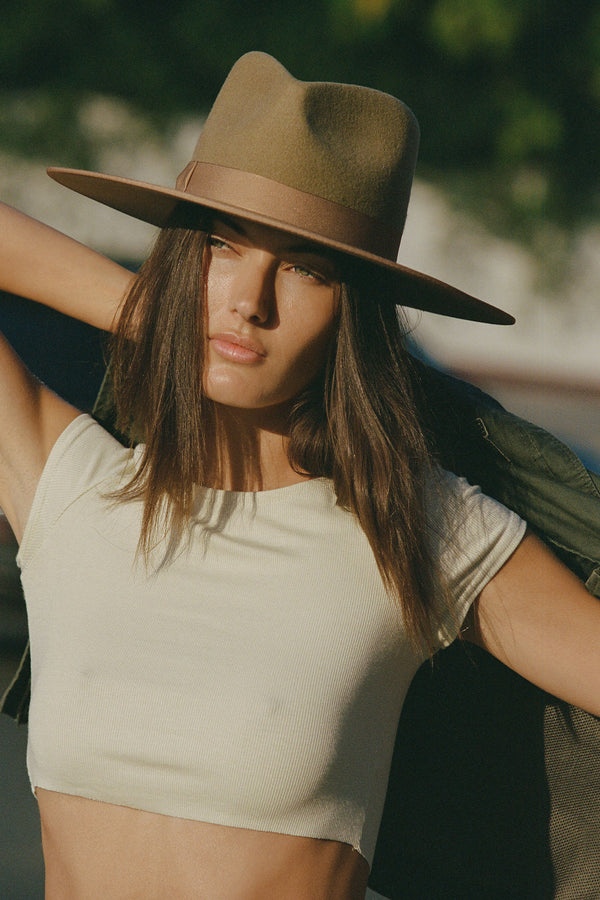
<point x="253" y="291"/>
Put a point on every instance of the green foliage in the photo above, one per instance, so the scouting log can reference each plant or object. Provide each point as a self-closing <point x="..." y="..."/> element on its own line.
<point x="507" y="91"/>
<point x="486" y="28"/>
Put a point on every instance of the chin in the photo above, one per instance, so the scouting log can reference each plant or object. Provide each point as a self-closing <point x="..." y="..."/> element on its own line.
<point x="241" y="396"/>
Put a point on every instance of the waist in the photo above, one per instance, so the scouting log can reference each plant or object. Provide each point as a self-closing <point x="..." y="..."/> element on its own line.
<point x="92" y="848"/>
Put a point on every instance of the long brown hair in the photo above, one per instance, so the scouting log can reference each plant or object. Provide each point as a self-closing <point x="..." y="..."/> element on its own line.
<point x="356" y="424"/>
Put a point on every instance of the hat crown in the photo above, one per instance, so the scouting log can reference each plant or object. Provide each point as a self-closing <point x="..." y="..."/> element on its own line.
<point x="330" y="163"/>
<point x="346" y="144"/>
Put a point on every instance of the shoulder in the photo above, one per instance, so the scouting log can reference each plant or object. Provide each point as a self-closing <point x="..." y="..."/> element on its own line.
<point x="84" y="458"/>
<point x="458" y="509"/>
<point x="471" y="536"/>
<point x="85" y="445"/>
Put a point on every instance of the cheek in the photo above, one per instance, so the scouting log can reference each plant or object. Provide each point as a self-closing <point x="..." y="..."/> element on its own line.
<point x="214" y="292"/>
<point x="322" y="329"/>
<point x="312" y="352"/>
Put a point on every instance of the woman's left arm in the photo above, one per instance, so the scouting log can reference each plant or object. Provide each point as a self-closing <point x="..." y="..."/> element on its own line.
<point x="537" y="618"/>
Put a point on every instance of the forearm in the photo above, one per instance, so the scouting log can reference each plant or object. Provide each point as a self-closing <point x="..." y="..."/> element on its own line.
<point x="42" y="264"/>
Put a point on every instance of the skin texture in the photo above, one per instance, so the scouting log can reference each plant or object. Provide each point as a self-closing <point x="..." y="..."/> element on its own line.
<point x="98" y="850"/>
<point x="278" y="307"/>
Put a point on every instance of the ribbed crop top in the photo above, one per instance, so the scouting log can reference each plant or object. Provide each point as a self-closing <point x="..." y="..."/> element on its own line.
<point x="257" y="678"/>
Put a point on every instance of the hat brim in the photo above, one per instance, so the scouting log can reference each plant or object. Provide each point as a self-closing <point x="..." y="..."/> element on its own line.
<point x="155" y="204"/>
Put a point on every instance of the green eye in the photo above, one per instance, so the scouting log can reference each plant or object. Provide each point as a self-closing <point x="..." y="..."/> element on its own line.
<point x="306" y="273"/>
<point x="217" y="242"/>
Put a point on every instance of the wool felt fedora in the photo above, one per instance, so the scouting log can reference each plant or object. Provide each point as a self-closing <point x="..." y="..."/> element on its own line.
<point x="332" y="163"/>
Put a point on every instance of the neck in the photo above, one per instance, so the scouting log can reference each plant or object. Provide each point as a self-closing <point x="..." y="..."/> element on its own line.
<point x="252" y="450"/>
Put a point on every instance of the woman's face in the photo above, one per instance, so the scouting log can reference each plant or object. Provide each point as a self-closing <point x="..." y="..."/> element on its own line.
<point x="272" y="310"/>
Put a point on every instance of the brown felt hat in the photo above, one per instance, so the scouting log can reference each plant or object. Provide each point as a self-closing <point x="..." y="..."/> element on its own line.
<point x="329" y="162"/>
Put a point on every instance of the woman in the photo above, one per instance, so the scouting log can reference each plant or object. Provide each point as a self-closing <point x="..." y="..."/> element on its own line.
<point x="225" y="620"/>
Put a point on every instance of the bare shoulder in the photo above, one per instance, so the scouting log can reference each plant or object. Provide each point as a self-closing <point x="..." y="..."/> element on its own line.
<point x="31" y="419"/>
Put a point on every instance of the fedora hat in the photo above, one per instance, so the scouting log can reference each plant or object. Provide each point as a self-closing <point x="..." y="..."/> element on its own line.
<point x="329" y="162"/>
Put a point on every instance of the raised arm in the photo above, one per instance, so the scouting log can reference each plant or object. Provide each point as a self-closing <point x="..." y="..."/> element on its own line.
<point x="31" y="419"/>
<point x="537" y="618"/>
<point x="42" y="264"/>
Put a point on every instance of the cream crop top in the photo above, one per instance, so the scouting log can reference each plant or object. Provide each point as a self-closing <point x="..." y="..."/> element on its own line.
<point x="257" y="679"/>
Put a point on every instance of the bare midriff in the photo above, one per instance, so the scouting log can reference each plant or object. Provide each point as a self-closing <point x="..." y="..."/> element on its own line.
<point x="100" y="850"/>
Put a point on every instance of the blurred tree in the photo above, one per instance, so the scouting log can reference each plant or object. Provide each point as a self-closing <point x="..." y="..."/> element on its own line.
<point x="507" y="91"/>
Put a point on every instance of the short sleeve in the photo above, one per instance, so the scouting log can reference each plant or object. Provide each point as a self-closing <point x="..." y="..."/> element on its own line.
<point x="472" y="536"/>
<point x="84" y="457"/>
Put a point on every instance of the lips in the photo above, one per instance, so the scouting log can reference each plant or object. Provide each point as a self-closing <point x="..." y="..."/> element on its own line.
<point x="237" y="347"/>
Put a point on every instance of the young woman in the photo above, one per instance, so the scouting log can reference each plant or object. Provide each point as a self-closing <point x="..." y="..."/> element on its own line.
<point x="224" y="620"/>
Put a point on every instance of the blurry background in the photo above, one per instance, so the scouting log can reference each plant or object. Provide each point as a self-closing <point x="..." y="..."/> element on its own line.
<point x="506" y="204"/>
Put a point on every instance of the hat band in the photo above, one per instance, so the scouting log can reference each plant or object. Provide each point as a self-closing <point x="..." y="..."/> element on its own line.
<point x="289" y="206"/>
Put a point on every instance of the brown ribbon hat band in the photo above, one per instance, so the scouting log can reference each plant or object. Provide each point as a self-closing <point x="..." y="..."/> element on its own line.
<point x="329" y="162"/>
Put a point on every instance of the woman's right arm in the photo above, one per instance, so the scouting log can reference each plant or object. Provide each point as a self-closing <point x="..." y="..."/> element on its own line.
<point x="31" y="419"/>
<point x="44" y="265"/>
